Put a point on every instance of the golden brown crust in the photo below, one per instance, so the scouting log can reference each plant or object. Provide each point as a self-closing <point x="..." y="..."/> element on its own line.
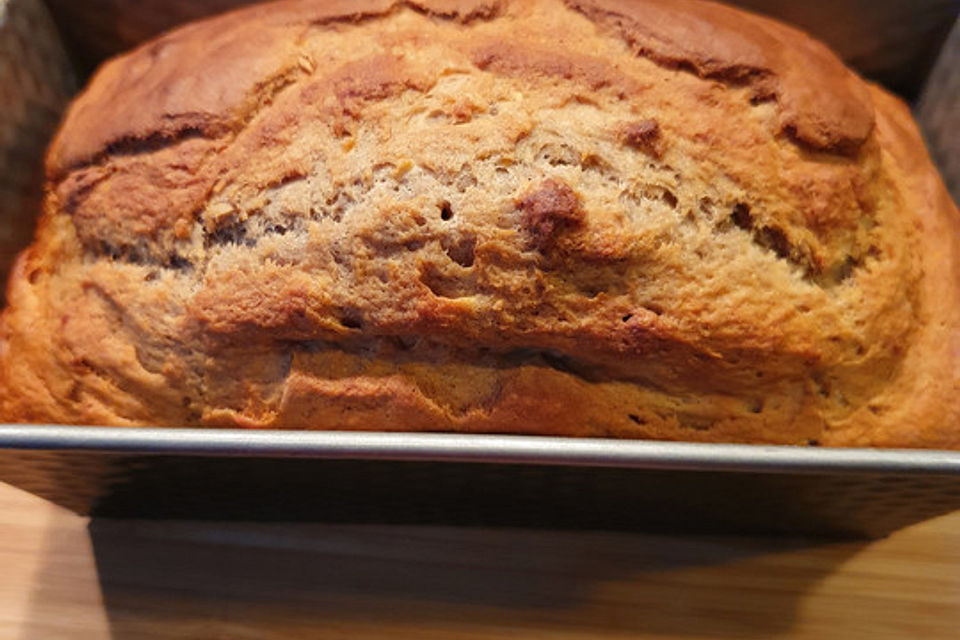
<point x="428" y="216"/>
<point x="169" y="94"/>
<point x="922" y="406"/>
<point x="170" y="91"/>
<point x="821" y="102"/>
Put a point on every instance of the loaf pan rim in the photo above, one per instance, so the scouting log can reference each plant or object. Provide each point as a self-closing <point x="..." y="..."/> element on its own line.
<point x="481" y="448"/>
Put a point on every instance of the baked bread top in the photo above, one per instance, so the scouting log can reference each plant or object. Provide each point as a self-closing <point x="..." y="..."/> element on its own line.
<point x="642" y="218"/>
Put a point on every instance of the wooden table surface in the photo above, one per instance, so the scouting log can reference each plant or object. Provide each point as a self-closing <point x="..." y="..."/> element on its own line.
<point x="63" y="576"/>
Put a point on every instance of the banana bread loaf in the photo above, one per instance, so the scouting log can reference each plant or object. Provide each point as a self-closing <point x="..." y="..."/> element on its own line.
<point x="639" y="218"/>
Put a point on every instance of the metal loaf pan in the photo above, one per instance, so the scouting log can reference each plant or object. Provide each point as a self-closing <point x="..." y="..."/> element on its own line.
<point x="480" y="480"/>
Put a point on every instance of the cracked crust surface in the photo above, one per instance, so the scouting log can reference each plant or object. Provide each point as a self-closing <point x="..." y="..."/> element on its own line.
<point x="645" y="219"/>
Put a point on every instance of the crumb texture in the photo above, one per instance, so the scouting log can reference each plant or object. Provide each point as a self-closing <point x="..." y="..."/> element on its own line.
<point x="667" y="220"/>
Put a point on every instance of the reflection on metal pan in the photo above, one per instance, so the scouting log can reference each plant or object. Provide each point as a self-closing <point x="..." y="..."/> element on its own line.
<point x="445" y="447"/>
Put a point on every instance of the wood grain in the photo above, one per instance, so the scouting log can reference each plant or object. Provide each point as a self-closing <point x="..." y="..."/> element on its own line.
<point x="66" y="578"/>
